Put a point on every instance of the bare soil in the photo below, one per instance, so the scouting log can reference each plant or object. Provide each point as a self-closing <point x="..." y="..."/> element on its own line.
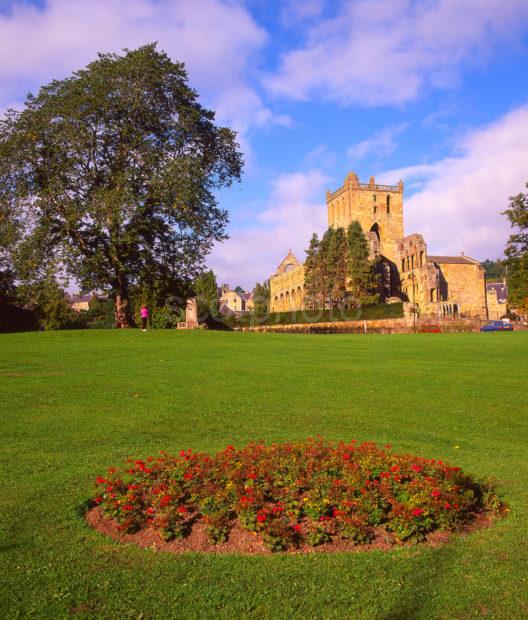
<point x="243" y="542"/>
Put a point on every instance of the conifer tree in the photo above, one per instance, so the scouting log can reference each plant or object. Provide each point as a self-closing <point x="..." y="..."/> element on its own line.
<point x="261" y="297"/>
<point x="310" y="271"/>
<point x="206" y="290"/>
<point x="362" y="278"/>
<point x="324" y="278"/>
<point x="337" y="267"/>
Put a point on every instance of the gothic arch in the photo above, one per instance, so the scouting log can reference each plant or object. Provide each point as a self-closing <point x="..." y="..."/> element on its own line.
<point x="376" y="229"/>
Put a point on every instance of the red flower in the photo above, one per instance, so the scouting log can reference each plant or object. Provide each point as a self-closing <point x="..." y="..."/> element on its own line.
<point x="127" y="507"/>
<point x="447" y="506"/>
<point x="346" y="457"/>
<point x="416" y="467"/>
<point x="297" y="528"/>
<point x="337" y="512"/>
<point x="395" y="468"/>
<point x="182" y="509"/>
<point x="187" y="476"/>
<point x="150" y="459"/>
<point x="436" y="493"/>
<point x="261" y="517"/>
<point x="384" y="474"/>
<point x="100" y="480"/>
<point x="417" y="512"/>
<point x="251" y="476"/>
<point x="98" y="500"/>
<point x="139" y="462"/>
<point x="165" y="500"/>
<point x="150" y="510"/>
<point x="132" y="487"/>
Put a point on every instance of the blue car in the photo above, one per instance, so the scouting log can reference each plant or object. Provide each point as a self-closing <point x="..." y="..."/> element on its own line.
<point x="497" y="326"/>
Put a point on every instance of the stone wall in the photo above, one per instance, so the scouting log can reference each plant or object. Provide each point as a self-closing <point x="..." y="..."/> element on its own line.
<point x="464" y="284"/>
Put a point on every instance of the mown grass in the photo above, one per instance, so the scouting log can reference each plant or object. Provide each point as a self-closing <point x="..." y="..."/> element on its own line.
<point x="74" y="403"/>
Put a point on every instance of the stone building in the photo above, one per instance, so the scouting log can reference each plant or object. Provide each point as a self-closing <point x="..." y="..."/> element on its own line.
<point x="233" y="302"/>
<point x="496" y="297"/>
<point x="436" y="285"/>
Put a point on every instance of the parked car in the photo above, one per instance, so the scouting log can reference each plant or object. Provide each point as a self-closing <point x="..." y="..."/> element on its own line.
<point x="430" y="329"/>
<point x="497" y="326"/>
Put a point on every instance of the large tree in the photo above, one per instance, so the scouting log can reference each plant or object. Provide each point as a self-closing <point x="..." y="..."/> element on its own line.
<point x="261" y="297"/>
<point x="337" y="267"/>
<point x="310" y="272"/>
<point x="517" y="252"/>
<point x="206" y="290"/>
<point x="362" y="277"/>
<point x="112" y="173"/>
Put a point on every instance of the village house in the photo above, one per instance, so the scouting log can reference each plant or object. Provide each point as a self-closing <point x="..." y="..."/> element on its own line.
<point x="233" y="302"/>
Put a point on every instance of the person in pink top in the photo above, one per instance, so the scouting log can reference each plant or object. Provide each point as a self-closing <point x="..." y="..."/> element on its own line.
<point x="144" y="317"/>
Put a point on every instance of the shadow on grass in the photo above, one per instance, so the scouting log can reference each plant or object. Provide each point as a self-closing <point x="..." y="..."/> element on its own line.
<point x="422" y="582"/>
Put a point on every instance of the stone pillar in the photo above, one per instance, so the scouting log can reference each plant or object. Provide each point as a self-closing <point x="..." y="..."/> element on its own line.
<point x="191" y="311"/>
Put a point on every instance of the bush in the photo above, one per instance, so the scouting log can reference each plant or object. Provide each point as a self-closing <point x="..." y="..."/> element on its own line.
<point x="307" y="492"/>
<point x="13" y="318"/>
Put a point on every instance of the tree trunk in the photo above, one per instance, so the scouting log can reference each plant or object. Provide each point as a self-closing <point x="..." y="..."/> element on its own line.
<point x="123" y="311"/>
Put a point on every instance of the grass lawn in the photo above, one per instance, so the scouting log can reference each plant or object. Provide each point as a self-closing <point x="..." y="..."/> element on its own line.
<point x="74" y="403"/>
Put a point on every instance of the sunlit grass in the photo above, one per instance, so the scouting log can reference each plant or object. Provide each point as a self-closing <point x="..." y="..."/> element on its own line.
<point x="74" y="403"/>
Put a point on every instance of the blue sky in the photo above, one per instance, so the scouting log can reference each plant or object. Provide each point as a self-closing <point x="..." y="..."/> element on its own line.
<point x="432" y="91"/>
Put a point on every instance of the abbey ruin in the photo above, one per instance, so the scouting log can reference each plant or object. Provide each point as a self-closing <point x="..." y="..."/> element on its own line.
<point x="435" y="286"/>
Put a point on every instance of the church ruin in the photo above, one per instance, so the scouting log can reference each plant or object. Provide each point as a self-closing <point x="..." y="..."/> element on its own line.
<point x="436" y="286"/>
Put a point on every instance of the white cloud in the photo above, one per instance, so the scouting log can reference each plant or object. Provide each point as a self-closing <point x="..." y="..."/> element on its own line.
<point x="217" y="39"/>
<point x="456" y="204"/>
<point x="458" y="201"/>
<point x="385" y="52"/>
<point x="321" y="157"/>
<point x="380" y="144"/>
<point x="295" y="210"/>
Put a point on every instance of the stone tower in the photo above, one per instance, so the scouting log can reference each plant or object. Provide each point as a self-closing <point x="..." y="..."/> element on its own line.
<point x="378" y="208"/>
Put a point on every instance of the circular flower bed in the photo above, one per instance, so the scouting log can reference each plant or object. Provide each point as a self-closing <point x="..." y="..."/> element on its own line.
<point x="293" y="495"/>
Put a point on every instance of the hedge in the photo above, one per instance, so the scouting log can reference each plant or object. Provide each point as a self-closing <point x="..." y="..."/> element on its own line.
<point x="381" y="311"/>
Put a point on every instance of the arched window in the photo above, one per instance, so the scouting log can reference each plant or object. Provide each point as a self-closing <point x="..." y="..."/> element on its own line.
<point x="375" y="228"/>
<point x="388" y="203"/>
